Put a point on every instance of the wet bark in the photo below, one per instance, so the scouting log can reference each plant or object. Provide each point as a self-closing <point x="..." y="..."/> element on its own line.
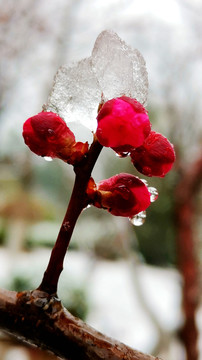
<point x="40" y="319"/>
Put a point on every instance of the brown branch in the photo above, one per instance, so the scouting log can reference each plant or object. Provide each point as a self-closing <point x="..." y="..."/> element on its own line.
<point x="40" y="319"/>
<point x="187" y="262"/>
<point x="78" y="202"/>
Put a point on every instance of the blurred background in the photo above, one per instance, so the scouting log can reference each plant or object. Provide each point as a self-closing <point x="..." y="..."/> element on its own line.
<point x="140" y="285"/>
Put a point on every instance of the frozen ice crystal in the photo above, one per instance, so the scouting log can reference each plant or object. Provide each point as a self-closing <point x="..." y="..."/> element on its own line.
<point x="113" y="70"/>
<point x="119" y="69"/>
<point x="75" y="96"/>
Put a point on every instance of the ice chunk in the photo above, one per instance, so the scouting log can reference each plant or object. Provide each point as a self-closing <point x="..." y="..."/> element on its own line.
<point x="75" y="95"/>
<point x="119" y="69"/>
<point x="113" y="70"/>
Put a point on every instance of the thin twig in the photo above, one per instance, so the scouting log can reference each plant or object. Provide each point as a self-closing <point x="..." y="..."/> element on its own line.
<point x="78" y="202"/>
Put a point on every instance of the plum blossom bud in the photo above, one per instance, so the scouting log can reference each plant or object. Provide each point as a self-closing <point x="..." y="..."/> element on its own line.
<point x="122" y="195"/>
<point x="123" y="124"/>
<point x="46" y="134"/>
<point x="155" y="157"/>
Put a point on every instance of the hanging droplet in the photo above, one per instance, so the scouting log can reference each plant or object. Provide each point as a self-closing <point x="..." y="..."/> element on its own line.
<point x="48" y="158"/>
<point x="138" y="219"/>
<point x="154" y="193"/>
<point x="122" y="154"/>
<point x="87" y="207"/>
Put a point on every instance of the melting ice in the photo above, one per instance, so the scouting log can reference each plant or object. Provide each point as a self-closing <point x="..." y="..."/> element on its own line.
<point x="113" y="70"/>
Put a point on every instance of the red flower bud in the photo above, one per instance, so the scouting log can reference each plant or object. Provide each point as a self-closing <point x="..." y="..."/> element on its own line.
<point x="123" y="124"/>
<point x="155" y="157"/>
<point x="122" y="195"/>
<point x="46" y="134"/>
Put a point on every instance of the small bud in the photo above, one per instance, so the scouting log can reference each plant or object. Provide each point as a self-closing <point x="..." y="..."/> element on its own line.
<point x="123" y="124"/>
<point x="122" y="195"/>
<point x="155" y="157"/>
<point x="46" y="134"/>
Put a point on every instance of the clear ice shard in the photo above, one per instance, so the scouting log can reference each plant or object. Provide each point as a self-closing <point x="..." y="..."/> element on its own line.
<point x="75" y="96"/>
<point x="119" y="69"/>
<point x="113" y="70"/>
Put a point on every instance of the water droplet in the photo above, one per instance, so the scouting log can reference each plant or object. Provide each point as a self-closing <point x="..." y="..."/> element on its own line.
<point x="146" y="170"/>
<point x="138" y="219"/>
<point x="154" y="193"/>
<point x="51" y="132"/>
<point x="87" y="207"/>
<point x="122" y="154"/>
<point x="48" y="158"/>
<point x="51" y="135"/>
<point x="125" y="192"/>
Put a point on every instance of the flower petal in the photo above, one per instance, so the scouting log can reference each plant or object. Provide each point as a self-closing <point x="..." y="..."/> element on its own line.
<point x="123" y="124"/>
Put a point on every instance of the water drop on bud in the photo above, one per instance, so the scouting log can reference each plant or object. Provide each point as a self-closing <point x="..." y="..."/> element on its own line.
<point x="51" y="132"/>
<point x="122" y="154"/>
<point x="154" y="193"/>
<point x="87" y="207"/>
<point x="48" y="158"/>
<point x="138" y="219"/>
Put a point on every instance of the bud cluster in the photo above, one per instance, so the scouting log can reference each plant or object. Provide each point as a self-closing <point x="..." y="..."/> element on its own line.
<point x="123" y="125"/>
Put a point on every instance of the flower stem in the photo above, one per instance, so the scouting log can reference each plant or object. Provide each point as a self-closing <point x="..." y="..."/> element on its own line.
<point x="78" y="201"/>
